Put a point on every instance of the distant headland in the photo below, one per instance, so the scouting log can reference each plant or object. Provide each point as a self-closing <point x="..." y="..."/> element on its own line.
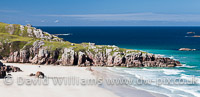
<point x="27" y="44"/>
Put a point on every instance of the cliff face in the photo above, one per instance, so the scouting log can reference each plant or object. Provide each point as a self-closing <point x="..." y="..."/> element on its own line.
<point x="43" y="48"/>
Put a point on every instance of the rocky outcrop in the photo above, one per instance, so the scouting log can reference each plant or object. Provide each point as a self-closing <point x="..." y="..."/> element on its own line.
<point x="29" y="31"/>
<point x="81" y="58"/>
<point x="42" y="56"/>
<point x="54" y="57"/>
<point x="10" y="28"/>
<point x="14" y="57"/>
<point x="7" y="69"/>
<point x="70" y="57"/>
<point x="24" y="56"/>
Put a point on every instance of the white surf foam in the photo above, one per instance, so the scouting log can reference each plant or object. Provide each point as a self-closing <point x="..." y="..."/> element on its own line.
<point x="184" y="89"/>
<point x="151" y="69"/>
<point x="190" y="77"/>
<point x="187" y="66"/>
<point x="172" y="71"/>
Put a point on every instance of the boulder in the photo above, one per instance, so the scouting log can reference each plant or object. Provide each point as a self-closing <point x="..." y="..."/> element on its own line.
<point x="16" y="69"/>
<point x="2" y="74"/>
<point x="32" y="74"/>
<point x="11" y="69"/>
<point x="1" y="57"/>
<point x="1" y="64"/>
<point x="40" y="74"/>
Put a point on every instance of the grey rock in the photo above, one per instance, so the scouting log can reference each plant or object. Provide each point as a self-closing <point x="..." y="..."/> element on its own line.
<point x="68" y="57"/>
<point x="24" y="56"/>
<point x="10" y="28"/>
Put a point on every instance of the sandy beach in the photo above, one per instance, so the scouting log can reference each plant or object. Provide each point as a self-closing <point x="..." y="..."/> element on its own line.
<point x="52" y="90"/>
<point x="22" y="88"/>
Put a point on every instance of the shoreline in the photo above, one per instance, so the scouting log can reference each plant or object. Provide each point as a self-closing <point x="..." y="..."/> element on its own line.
<point x="122" y="90"/>
<point x="104" y="90"/>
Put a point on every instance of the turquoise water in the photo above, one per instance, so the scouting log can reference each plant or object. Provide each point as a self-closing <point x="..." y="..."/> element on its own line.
<point x="157" y="40"/>
<point x="190" y="69"/>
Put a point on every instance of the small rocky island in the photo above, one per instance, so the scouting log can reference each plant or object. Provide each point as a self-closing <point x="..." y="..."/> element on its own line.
<point x="193" y="34"/>
<point x="186" y="49"/>
<point x="190" y="32"/>
<point x="26" y="44"/>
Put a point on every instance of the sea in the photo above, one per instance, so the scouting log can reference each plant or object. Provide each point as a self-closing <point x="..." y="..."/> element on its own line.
<point x="164" y="41"/>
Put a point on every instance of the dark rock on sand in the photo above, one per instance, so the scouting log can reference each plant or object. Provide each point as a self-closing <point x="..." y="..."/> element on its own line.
<point x="1" y="57"/>
<point x="1" y="64"/>
<point x="40" y="74"/>
<point x="9" y="68"/>
<point x="2" y="74"/>
<point x="32" y="74"/>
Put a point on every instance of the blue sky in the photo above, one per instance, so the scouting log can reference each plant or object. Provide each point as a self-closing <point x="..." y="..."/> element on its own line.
<point x="101" y="12"/>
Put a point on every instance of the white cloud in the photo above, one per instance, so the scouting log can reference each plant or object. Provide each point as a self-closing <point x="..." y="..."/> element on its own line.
<point x="56" y="21"/>
<point x="134" y="17"/>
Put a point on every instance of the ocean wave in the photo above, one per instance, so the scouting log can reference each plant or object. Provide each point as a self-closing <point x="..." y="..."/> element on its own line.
<point x="172" y="71"/>
<point x="190" y="77"/>
<point x="171" y="57"/>
<point x="160" y="55"/>
<point x="187" y="66"/>
<point x="143" y="74"/>
<point x="166" y="71"/>
<point x="185" y="89"/>
<point x="132" y="73"/>
<point x="150" y="90"/>
<point x="152" y="69"/>
<point x="158" y="73"/>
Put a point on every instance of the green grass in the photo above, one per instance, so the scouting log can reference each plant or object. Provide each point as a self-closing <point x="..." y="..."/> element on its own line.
<point x="55" y="45"/>
<point x="13" y="43"/>
<point x="11" y="38"/>
<point x="60" y="45"/>
<point x="2" y="27"/>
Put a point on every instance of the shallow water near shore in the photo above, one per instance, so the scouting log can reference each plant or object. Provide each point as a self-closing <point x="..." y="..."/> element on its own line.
<point x="157" y="40"/>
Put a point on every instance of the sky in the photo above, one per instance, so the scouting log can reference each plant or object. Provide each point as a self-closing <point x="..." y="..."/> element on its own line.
<point x="101" y="12"/>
